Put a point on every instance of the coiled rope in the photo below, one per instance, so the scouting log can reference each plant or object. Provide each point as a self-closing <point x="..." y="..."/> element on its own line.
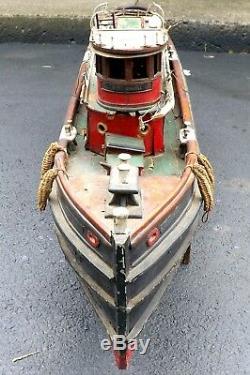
<point x="45" y="188"/>
<point x="204" y="174"/>
<point x="49" y="157"/>
<point x="48" y="175"/>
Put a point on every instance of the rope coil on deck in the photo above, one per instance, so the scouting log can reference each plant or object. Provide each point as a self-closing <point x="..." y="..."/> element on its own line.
<point x="48" y="175"/>
<point x="204" y="174"/>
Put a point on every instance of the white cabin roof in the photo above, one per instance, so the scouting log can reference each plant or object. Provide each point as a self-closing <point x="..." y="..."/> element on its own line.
<point x="128" y="30"/>
<point x="128" y="39"/>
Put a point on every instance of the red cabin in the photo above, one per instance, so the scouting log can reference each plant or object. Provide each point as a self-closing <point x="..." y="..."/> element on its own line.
<point x="125" y="80"/>
<point x="131" y="82"/>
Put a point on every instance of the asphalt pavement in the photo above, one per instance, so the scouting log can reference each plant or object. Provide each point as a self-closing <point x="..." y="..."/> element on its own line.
<point x="202" y="325"/>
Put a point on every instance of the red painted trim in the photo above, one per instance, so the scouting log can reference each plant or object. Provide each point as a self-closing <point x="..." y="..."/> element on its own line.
<point x="75" y="95"/>
<point x="92" y="239"/>
<point x="141" y="98"/>
<point x="153" y="236"/>
<point x="122" y="360"/>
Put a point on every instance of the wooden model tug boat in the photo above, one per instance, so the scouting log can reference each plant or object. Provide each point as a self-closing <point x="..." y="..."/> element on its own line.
<point x="126" y="198"/>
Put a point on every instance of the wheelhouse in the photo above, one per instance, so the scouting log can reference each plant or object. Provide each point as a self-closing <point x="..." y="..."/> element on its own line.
<point x="126" y="82"/>
<point x="129" y="81"/>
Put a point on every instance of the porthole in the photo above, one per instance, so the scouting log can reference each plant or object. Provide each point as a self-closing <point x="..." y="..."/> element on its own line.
<point x="145" y="129"/>
<point x="102" y="128"/>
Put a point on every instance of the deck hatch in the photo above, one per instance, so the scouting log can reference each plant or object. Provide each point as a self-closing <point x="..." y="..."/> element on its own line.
<point x="119" y="142"/>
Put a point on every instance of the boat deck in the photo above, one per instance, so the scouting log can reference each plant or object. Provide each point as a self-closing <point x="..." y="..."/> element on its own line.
<point x="160" y="178"/>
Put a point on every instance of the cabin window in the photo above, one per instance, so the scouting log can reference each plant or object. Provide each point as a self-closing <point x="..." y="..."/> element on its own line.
<point x="116" y="68"/>
<point x="128" y="69"/>
<point x="99" y="64"/>
<point x="140" y="68"/>
<point x="110" y="68"/>
<point x="157" y="63"/>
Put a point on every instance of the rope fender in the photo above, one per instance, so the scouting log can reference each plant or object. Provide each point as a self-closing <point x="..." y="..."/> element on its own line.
<point x="49" y="157"/>
<point x="48" y="175"/>
<point x="45" y="188"/>
<point x="205" y="177"/>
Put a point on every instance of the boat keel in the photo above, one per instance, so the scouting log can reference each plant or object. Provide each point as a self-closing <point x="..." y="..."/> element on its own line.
<point x="123" y="358"/>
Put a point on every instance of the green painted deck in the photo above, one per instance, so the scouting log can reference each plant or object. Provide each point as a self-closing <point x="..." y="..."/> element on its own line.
<point x="167" y="164"/>
<point x="89" y="179"/>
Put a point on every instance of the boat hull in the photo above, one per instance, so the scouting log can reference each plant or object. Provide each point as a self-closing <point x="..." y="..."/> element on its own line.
<point x="125" y="199"/>
<point x="145" y="279"/>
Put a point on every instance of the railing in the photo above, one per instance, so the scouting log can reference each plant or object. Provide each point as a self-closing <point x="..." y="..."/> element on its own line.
<point x="102" y="10"/>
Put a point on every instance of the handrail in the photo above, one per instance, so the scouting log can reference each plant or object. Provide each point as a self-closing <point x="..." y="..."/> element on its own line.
<point x="157" y="6"/>
<point x="153" y="9"/>
<point x="101" y="8"/>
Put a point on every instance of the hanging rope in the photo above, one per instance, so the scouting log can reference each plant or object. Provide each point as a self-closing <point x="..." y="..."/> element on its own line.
<point x="45" y="188"/>
<point x="48" y="175"/>
<point x="49" y="157"/>
<point x="204" y="174"/>
<point x="203" y="160"/>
